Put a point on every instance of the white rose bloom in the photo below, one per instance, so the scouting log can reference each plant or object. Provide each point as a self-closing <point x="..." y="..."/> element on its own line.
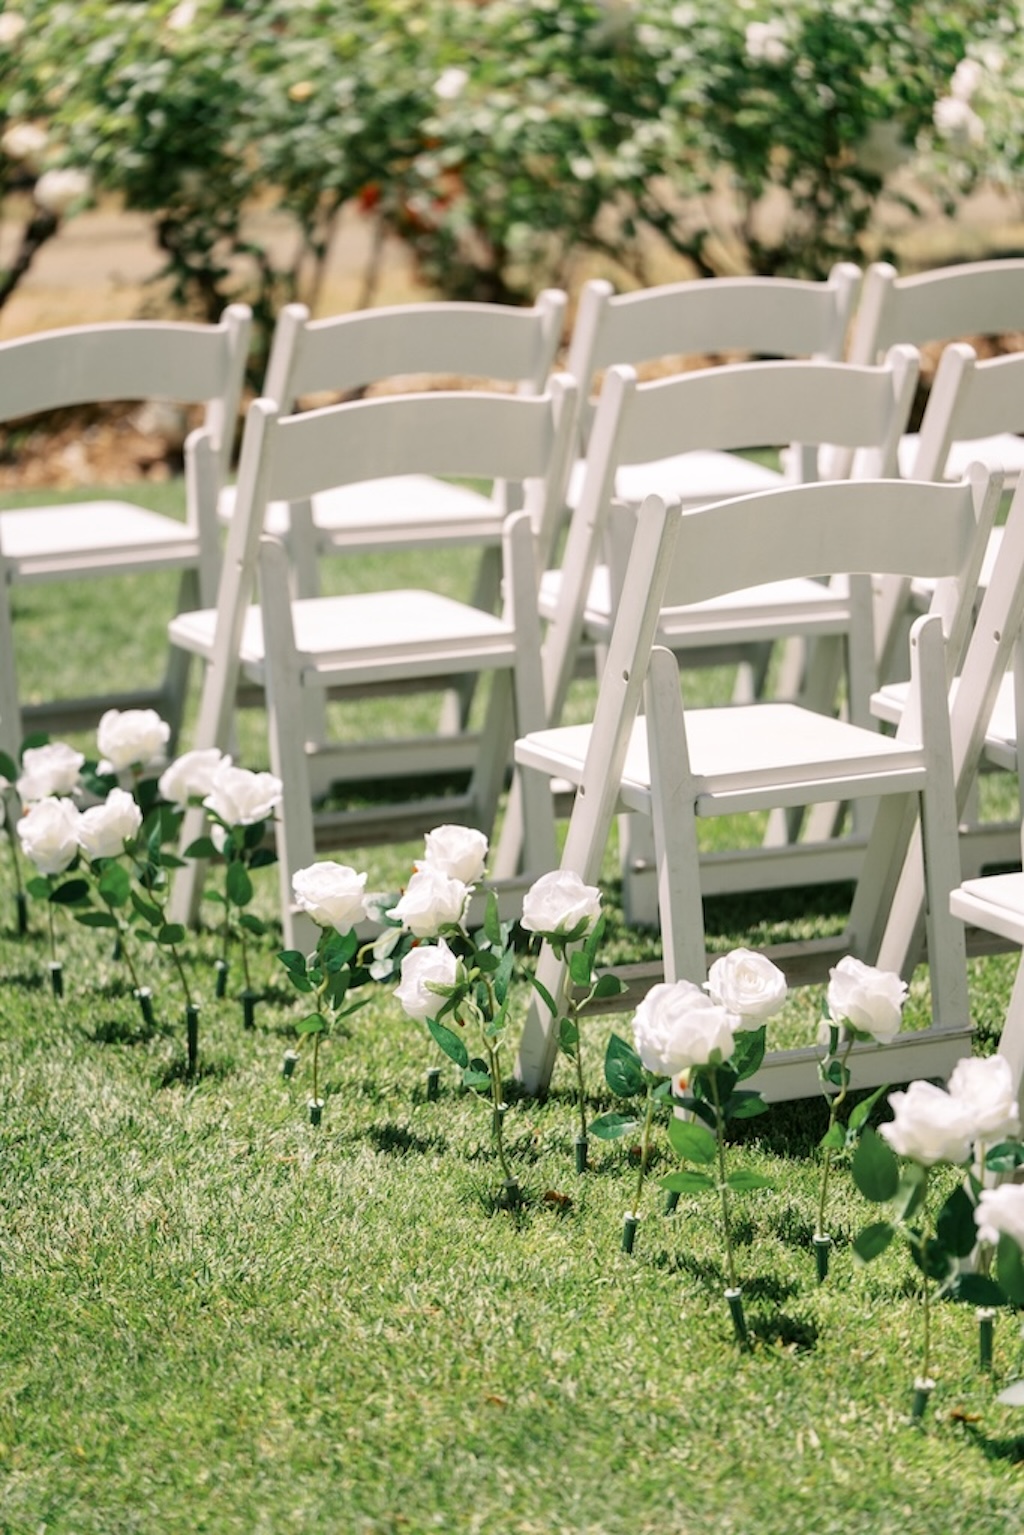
<point x="967" y="76"/>
<point x="422" y="968"/>
<point x="458" y="851"/>
<point x="450" y="83"/>
<point x="1000" y="1211"/>
<point x="104" y="829"/>
<point x="46" y="770"/>
<point x="558" y="902"/>
<point x="331" y="893"/>
<point x="765" y="42"/>
<point x="59" y="189"/>
<point x="131" y="738"/>
<point x="957" y="122"/>
<point x="431" y="901"/>
<point x="747" y="984"/>
<point x="929" y="1126"/>
<point x="241" y="798"/>
<point x="986" y="1088"/>
<point x="183" y="16"/>
<point x="48" y="833"/>
<point x="677" y="1026"/>
<point x="23" y="141"/>
<point x="190" y="776"/>
<point x="867" y="1000"/>
<point x="12" y="25"/>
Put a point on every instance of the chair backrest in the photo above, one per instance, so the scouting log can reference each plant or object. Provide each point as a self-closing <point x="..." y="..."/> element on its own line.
<point x="977" y="298"/>
<point x="968" y="400"/>
<point x="735" y="406"/>
<point x="469" y="433"/>
<point x="760" y="316"/>
<point x="133" y="360"/>
<point x="477" y="341"/>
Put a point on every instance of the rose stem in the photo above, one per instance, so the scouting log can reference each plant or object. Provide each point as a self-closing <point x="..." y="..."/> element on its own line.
<point x="833" y="1111"/>
<point x="723" y="1187"/>
<point x="645" y="1146"/>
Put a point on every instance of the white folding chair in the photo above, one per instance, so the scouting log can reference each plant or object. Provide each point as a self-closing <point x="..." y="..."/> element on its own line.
<point x="995" y="904"/>
<point x="759" y="317"/>
<point x="398" y="639"/>
<point x="975" y="298"/>
<point x="132" y="361"/>
<point x="677" y="765"/>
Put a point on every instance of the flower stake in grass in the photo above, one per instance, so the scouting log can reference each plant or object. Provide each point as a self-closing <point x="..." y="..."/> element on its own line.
<point x="867" y="1004"/>
<point x="460" y="978"/>
<point x="332" y="894"/>
<point x="48" y="832"/>
<point x="564" y="911"/>
<point x="107" y="833"/>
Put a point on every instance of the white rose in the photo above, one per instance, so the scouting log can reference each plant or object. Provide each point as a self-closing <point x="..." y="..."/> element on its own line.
<point x="431" y="901"/>
<point x="241" y="798"/>
<point x="458" y="851"/>
<point x="765" y="42"/>
<point x="1000" y="1211"/>
<point x="23" y="141"/>
<point x="59" y="189"/>
<point x="967" y="76"/>
<point x="747" y="984"/>
<point x="48" y="833"/>
<point x="331" y="893"/>
<point x="986" y="1088"/>
<point x="46" y="770"/>
<point x="558" y="902"/>
<point x="867" y="1000"/>
<point x="11" y="27"/>
<point x="957" y="122"/>
<point x="131" y="738"/>
<point x="104" y="829"/>
<point x="190" y="776"/>
<point x="422" y="969"/>
<point x="928" y="1125"/>
<point x="677" y="1025"/>
<point x="450" y="83"/>
<point x="182" y="16"/>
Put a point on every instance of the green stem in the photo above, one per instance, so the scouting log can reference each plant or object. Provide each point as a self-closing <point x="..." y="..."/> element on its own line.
<point x="226" y="926"/>
<point x="316" y="1065"/>
<point x="723" y="1187"/>
<point x="13" y="840"/>
<point x="581" y="1090"/>
<point x="122" y="932"/>
<point x="245" y="959"/>
<point x="494" y="1068"/>
<point x="645" y="1146"/>
<point x="53" y="932"/>
<point x="833" y="1113"/>
<point x="926" y="1348"/>
<point x="181" y="973"/>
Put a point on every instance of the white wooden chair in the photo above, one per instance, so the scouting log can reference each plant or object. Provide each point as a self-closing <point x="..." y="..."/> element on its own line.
<point x="677" y="765"/>
<point x="190" y="364"/>
<point x="398" y="639"/>
<point x="976" y="298"/>
<point x="995" y="904"/>
<point x="719" y="316"/>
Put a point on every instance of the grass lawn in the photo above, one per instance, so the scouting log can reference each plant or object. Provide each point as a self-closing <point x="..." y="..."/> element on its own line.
<point x="217" y="1318"/>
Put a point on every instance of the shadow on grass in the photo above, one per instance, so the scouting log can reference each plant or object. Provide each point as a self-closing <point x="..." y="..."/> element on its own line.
<point x="1010" y="1451"/>
<point x="124" y="1031"/>
<point x="214" y="1070"/>
<point x="399" y="1140"/>
<point x="780" y="1330"/>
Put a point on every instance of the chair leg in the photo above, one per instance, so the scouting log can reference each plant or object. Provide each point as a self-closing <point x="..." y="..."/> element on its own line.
<point x="11" y="728"/>
<point x="1011" y="1040"/>
<point x="674" y="820"/>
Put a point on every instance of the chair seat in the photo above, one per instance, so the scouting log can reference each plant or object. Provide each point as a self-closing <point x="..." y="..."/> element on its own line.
<point x="1000" y="737"/>
<point x="417" y="633"/>
<point x="52" y="540"/>
<point x="791" y="607"/>
<point x="690" y="478"/>
<point x="1003" y="451"/>
<point x="995" y="902"/>
<point x="404" y="510"/>
<point x="773" y="741"/>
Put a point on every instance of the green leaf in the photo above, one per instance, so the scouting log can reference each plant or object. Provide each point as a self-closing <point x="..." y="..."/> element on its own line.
<point x="860" y="1111"/>
<point x="1010" y="1269"/>
<point x="545" y="996"/>
<point x="171" y="933"/>
<point x="449" y="1042"/>
<point x="834" y="1138"/>
<point x="38" y="887"/>
<point x="70" y="893"/>
<point x="742" y="1179"/>
<point x="579" y="968"/>
<point x="313" y="1023"/>
<point x="623" y="1070"/>
<point x="8" y="767"/>
<point x="293" y="961"/>
<point x="833" y="1072"/>
<point x="202" y="847"/>
<point x="744" y="1105"/>
<point x="238" y="885"/>
<point x="697" y="1106"/>
<point x="954" y="1224"/>
<point x="503" y="976"/>
<point x="253" y="834"/>
<point x="492" y="921"/>
<point x="262" y="858"/>
<point x="872" y="1241"/>
<point x="252" y="924"/>
<point x="875" y="1168"/>
<point x="611" y="1127"/>
<point x="568" y="1037"/>
<point x="96" y="918"/>
<point x="686" y="1182"/>
<point x="147" y="910"/>
<point x="910" y="1195"/>
<point x="691" y="1141"/>
<point x="748" y="1054"/>
<point x="1004" y="1157"/>
<point x="115" y="885"/>
<point x="479" y="1080"/>
<point x="608" y="985"/>
<point x="979" y="1290"/>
